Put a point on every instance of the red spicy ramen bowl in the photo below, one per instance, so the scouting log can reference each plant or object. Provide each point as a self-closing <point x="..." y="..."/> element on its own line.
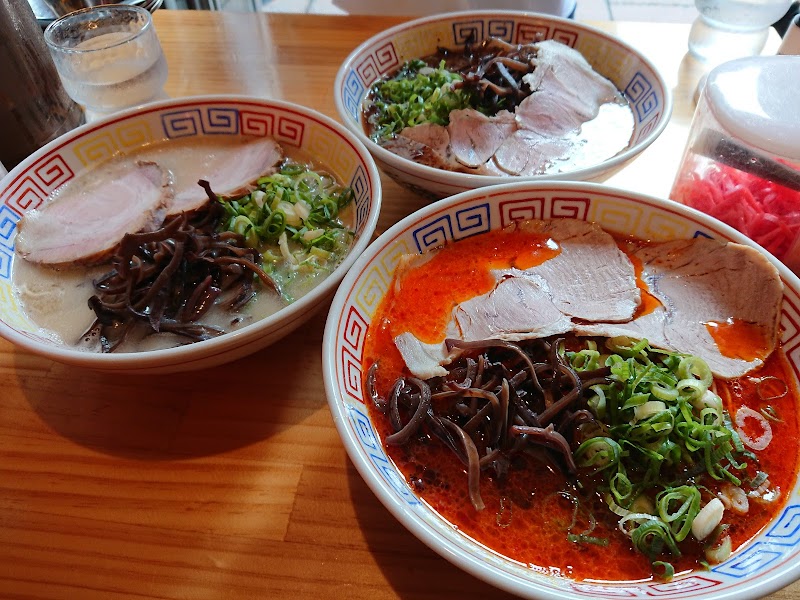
<point x="564" y="389"/>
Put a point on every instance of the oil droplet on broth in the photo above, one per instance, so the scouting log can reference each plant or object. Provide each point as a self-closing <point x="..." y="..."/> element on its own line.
<point x="737" y="338"/>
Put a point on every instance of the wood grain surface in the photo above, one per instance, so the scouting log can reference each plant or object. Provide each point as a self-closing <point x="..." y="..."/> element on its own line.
<point x="231" y="482"/>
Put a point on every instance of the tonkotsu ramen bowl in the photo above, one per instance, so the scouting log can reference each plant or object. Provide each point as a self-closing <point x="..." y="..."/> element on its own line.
<point x="632" y="73"/>
<point x="178" y="121"/>
<point x="767" y="562"/>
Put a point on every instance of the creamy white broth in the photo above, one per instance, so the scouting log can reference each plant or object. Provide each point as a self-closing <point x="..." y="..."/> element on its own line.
<point x="605" y="136"/>
<point x="55" y="299"/>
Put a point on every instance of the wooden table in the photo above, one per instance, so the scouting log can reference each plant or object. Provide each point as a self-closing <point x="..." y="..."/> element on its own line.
<point x="231" y="482"/>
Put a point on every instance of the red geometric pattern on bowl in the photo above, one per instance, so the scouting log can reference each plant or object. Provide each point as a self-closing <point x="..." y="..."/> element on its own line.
<point x="368" y="70"/>
<point x="790" y="321"/>
<point x="354" y="336"/>
<point x="33" y="188"/>
<point x="351" y="375"/>
<point x="256" y="123"/>
<point x="282" y="127"/>
<point x="692" y="583"/>
<point x="54" y="172"/>
<point x="290" y="131"/>
<point x="386" y="57"/>
<point x="521" y="210"/>
<point x="528" y="33"/>
<point x="565" y="37"/>
<point x="566" y="207"/>
<point x="26" y="194"/>
<point x="604" y="591"/>
<point x="355" y="331"/>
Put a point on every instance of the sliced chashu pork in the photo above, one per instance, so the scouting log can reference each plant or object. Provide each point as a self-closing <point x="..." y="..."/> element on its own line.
<point x="84" y="223"/>
<point x="527" y="152"/>
<point x="427" y="144"/>
<point x="697" y="281"/>
<point x="589" y="279"/>
<point x="516" y="306"/>
<point x="565" y="91"/>
<point x="474" y="137"/>
<point x="436" y="137"/>
<point x="232" y="172"/>
<point x="704" y="281"/>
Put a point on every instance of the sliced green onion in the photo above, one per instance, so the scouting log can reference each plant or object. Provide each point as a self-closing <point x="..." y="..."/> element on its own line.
<point x="659" y="411"/>
<point x="667" y="570"/>
<point x="759" y="478"/>
<point x="770" y="413"/>
<point x="417" y="94"/>
<point x="598" y="453"/>
<point x="693" y="367"/>
<point x="626" y="346"/>
<point x="293" y="219"/>
<point x="678" y="507"/>
<point x="771" y="394"/>
<point x="652" y="537"/>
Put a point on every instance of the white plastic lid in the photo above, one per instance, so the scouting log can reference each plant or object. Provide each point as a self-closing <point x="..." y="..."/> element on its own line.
<point x="757" y="99"/>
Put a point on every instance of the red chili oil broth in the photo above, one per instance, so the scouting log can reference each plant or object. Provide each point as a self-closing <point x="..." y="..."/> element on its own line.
<point x="535" y="530"/>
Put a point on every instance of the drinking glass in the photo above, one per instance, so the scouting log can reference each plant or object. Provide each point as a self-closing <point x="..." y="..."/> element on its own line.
<point x="108" y="57"/>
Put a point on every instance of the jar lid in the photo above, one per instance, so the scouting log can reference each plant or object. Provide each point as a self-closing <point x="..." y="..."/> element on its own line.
<point x="757" y="99"/>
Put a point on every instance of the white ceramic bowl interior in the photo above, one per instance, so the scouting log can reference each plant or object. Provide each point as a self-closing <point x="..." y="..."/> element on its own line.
<point x="30" y="183"/>
<point x="767" y="563"/>
<point x="630" y="71"/>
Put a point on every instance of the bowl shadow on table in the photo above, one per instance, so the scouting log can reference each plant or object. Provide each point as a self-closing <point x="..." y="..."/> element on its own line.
<point x="414" y="571"/>
<point x="181" y="415"/>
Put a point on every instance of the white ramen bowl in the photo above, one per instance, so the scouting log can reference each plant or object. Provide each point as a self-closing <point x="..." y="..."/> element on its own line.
<point x="632" y="73"/>
<point x="768" y="562"/>
<point x="293" y="126"/>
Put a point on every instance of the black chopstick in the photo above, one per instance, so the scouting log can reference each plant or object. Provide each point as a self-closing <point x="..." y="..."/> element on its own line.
<point x="724" y="150"/>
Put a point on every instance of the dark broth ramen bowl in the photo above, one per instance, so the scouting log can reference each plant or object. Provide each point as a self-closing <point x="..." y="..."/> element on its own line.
<point x="312" y="135"/>
<point x="764" y="564"/>
<point x="632" y="73"/>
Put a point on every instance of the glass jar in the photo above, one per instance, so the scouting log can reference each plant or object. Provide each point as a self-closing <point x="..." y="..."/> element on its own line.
<point x="742" y="159"/>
